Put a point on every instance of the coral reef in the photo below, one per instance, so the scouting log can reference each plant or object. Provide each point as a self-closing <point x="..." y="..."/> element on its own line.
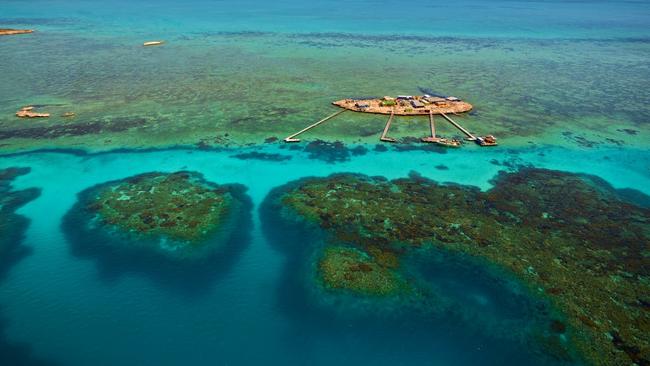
<point x="255" y="155"/>
<point x="351" y="269"/>
<point x="179" y="215"/>
<point x="12" y="226"/>
<point x="330" y="152"/>
<point x="570" y="237"/>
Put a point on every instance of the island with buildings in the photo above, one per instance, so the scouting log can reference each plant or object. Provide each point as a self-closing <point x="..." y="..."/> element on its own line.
<point x="409" y="105"/>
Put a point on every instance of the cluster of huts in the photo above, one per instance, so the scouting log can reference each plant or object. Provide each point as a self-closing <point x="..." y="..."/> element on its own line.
<point x="422" y="101"/>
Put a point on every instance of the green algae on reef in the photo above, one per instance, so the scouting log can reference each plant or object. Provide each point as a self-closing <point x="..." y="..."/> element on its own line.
<point x="12" y="225"/>
<point x="352" y="269"/>
<point x="172" y="205"/>
<point x="568" y="236"/>
<point x="178" y="215"/>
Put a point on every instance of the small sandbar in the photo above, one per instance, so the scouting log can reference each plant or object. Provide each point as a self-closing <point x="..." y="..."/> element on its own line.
<point x="10" y="32"/>
<point x="30" y="112"/>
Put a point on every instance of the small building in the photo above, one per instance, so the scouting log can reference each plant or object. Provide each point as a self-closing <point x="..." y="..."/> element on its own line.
<point x="387" y="98"/>
<point x="404" y="97"/>
<point x="362" y="105"/>
<point x="417" y="104"/>
<point x="453" y="99"/>
<point x="435" y="99"/>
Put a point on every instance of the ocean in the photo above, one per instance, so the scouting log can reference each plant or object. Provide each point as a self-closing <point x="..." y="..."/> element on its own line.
<point x="563" y="85"/>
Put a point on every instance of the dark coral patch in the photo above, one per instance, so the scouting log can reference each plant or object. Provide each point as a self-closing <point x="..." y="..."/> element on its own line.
<point x="330" y="152"/>
<point x="351" y="269"/>
<point x="573" y="236"/>
<point x="74" y="129"/>
<point x="380" y="148"/>
<point x="359" y="150"/>
<point x="254" y="155"/>
<point x="12" y="225"/>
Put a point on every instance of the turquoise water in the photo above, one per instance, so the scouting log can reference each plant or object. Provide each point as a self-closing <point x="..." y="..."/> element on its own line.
<point x="125" y="317"/>
<point x="562" y="83"/>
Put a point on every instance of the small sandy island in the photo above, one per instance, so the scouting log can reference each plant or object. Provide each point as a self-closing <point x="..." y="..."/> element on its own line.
<point x="28" y="112"/>
<point x="406" y="105"/>
<point x="9" y="32"/>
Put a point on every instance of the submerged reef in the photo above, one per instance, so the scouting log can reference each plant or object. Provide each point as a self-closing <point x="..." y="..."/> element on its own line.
<point x="175" y="214"/>
<point x="177" y="218"/>
<point x="352" y="269"/>
<point x="255" y="155"/>
<point x="12" y="225"/>
<point x="177" y="206"/>
<point x="569" y="238"/>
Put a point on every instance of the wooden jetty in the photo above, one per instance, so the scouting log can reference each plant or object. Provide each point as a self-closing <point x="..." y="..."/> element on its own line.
<point x="487" y="140"/>
<point x="469" y="135"/>
<point x="383" y="135"/>
<point x="292" y="138"/>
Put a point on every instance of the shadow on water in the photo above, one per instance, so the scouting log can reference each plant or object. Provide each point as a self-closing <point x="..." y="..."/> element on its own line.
<point x="192" y="276"/>
<point x="12" y="231"/>
<point x="17" y="354"/>
<point x="11" y="250"/>
<point x="382" y="332"/>
<point x="13" y="226"/>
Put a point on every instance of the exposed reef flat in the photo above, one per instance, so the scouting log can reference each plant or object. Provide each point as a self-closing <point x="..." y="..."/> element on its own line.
<point x="569" y="237"/>
<point x="9" y="32"/>
<point x="12" y="225"/>
<point x="176" y="215"/>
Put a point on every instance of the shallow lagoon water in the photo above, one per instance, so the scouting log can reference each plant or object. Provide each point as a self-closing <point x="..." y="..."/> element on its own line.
<point x="562" y="84"/>
<point x="225" y="78"/>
